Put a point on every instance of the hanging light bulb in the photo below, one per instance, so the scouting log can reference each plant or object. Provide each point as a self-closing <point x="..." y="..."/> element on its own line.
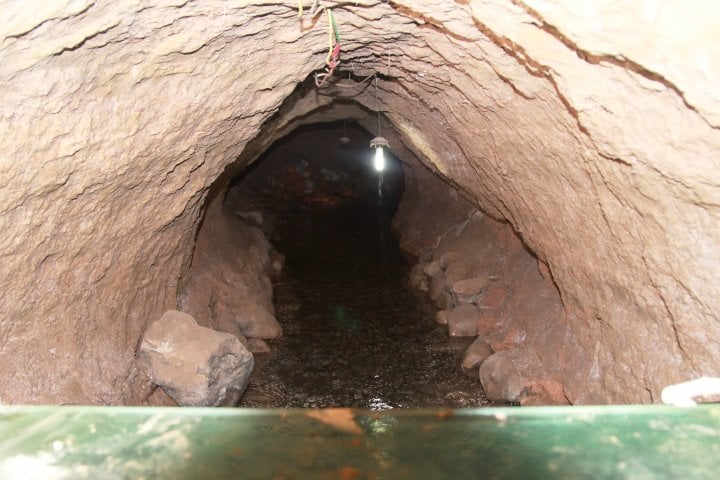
<point x="379" y="143"/>
<point x="379" y="163"/>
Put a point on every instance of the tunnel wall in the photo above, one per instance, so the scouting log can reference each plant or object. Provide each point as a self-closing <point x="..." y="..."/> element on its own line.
<point x="592" y="129"/>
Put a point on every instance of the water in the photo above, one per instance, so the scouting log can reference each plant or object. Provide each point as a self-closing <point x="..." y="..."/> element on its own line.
<point x="355" y="335"/>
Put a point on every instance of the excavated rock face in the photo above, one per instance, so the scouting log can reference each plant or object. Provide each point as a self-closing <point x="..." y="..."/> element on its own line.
<point x="592" y="129"/>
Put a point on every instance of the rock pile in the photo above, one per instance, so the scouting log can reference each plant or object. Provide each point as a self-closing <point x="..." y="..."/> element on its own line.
<point x="488" y="286"/>
<point x="205" y="356"/>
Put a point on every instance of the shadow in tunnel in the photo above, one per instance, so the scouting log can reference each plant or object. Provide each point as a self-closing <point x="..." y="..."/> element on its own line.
<point x="355" y="334"/>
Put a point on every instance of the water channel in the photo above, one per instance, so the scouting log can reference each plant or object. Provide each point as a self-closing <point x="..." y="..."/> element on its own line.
<point x="355" y="334"/>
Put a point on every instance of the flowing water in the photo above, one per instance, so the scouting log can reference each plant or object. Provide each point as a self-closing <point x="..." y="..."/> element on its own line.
<point x="354" y="333"/>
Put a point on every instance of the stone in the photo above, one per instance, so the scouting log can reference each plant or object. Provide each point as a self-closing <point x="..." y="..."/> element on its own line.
<point x="444" y="300"/>
<point x="513" y="337"/>
<point x="467" y="290"/>
<point x="500" y="378"/>
<point x="437" y="286"/>
<point x="257" y="345"/>
<point x="544" y="392"/>
<point x="255" y="321"/>
<point x="476" y="353"/>
<point x="441" y="317"/>
<point x="161" y="399"/>
<point x="418" y="278"/>
<point x="455" y="272"/>
<point x="277" y="262"/>
<point x="486" y="322"/>
<point x="432" y="269"/>
<point x="194" y="365"/>
<point x="493" y="298"/>
<point x="449" y="257"/>
<point x="462" y="321"/>
<point x="254" y="216"/>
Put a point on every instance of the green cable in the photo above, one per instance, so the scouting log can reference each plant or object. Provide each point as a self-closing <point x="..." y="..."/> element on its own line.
<point x="334" y="26"/>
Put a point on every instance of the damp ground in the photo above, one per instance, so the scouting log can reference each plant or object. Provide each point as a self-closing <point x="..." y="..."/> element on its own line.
<point x="354" y="333"/>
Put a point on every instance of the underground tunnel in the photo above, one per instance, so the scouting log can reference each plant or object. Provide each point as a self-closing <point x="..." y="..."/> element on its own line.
<point x="559" y="180"/>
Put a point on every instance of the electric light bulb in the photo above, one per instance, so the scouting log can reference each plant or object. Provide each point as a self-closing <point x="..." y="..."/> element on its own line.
<point x="379" y="163"/>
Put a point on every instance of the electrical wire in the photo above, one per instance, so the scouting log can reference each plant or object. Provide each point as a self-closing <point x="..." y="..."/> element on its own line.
<point x="377" y="104"/>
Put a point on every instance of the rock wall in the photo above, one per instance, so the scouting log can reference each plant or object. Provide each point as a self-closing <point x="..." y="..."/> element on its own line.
<point x="228" y="286"/>
<point x="591" y="128"/>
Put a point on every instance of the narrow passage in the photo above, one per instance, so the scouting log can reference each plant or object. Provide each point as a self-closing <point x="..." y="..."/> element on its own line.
<point x="355" y="335"/>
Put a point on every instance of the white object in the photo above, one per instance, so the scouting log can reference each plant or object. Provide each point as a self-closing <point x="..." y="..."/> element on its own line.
<point x="379" y="162"/>
<point x="684" y="394"/>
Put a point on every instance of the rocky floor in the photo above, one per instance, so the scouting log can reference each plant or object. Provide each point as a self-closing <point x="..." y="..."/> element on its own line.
<point x="355" y="335"/>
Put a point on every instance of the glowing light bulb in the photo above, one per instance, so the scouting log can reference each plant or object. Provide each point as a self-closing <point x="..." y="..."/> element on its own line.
<point x="379" y="162"/>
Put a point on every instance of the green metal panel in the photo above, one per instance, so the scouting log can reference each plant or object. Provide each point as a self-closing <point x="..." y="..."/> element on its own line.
<point x="543" y="442"/>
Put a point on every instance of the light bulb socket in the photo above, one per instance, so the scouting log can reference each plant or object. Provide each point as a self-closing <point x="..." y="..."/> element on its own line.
<point x="379" y="142"/>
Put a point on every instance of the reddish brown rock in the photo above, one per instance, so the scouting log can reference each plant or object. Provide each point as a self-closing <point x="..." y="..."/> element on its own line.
<point x="486" y="322"/>
<point x="467" y="291"/>
<point x="277" y="262"/>
<point x="544" y="392"/>
<point x="493" y="299"/>
<point x="254" y="321"/>
<point x="476" y="354"/>
<point x="444" y="300"/>
<point x="432" y="269"/>
<point x="455" y="272"/>
<point x="194" y="365"/>
<point x="500" y="378"/>
<point x="441" y="317"/>
<point x="462" y="321"/>
<point x="257" y="345"/>
<point x="513" y="337"/>
<point x="437" y="286"/>
<point x="449" y="257"/>
<point x="418" y="278"/>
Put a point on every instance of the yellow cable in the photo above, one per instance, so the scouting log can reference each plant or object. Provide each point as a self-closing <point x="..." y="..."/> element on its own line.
<point x="300" y="8"/>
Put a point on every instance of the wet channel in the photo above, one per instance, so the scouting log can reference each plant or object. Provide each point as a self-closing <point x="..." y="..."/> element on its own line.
<point x="354" y="333"/>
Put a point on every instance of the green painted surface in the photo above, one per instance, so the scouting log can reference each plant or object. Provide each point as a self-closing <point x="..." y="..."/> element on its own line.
<point x="576" y="442"/>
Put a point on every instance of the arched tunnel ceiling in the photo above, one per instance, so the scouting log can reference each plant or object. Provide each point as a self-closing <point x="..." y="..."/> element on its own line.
<point x="592" y="128"/>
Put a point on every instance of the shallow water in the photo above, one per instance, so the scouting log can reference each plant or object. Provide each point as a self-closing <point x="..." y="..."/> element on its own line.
<point x="354" y="333"/>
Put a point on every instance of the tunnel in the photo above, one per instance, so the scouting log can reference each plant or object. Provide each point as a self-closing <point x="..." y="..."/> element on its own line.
<point x="559" y="167"/>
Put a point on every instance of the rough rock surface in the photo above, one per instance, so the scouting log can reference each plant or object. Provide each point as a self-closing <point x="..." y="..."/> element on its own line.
<point x="194" y="365"/>
<point x="593" y="129"/>
<point x="515" y="309"/>
<point x="227" y="287"/>
<point x="476" y="354"/>
<point x="462" y="321"/>
<point x="500" y="378"/>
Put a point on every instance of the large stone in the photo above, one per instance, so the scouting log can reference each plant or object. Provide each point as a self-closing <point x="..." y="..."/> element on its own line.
<point x="418" y="278"/>
<point x="432" y="269"/>
<point x="462" y="321"/>
<point x="467" y="290"/>
<point x="459" y="270"/>
<point x="254" y="321"/>
<point x="194" y="365"/>
<point x="493" y="298"/>
<point x="500" y="378"/>
<point x="437" y="286"/>
<point x="476" y="354"/>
